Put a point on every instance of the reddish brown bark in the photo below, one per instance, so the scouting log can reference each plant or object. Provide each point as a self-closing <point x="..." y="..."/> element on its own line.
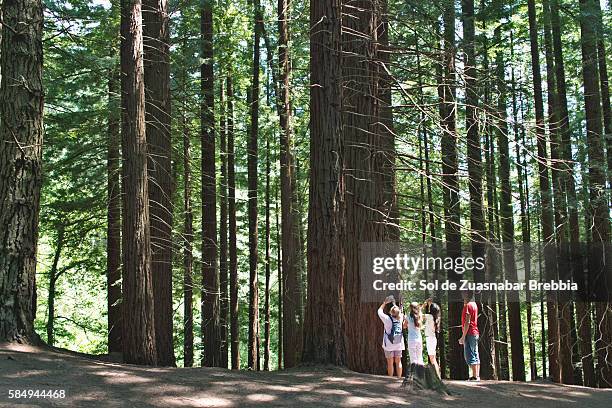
<point x="156" y="34"/>
<point x="233" y="256"/>
<point x="324" y="331"/>
<point x="138" y="318"/>
<point x="210" y="279"/>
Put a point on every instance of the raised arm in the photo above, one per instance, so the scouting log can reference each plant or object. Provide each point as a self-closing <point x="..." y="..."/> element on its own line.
<point x="381" y="312"/>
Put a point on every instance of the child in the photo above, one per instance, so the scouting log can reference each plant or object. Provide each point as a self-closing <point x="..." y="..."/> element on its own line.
<point x="432" y="328"/>
<point x="415" y="341"/>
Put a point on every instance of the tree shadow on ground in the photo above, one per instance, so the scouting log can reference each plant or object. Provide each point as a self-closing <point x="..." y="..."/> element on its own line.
<point x="92" y="382"/>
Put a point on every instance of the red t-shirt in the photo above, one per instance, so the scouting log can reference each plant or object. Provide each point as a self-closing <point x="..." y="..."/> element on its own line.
<point x="472" y="309"/>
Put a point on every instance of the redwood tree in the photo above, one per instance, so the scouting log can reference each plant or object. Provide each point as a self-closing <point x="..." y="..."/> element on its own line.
<point x="252" y="160"/>
<point x="138" y="338"/>
<point x="156" y="34"/>
<point x="450" y="184"/>
<point x="231" y="206"/>
<point x="187" y="229"/>
<point x="21" y="138"/>
<point x="546" y="201"/>
<point x="367" y="156"/>
<point x="210" y="279"/>
<point x="507" y="221"/>
<point x="223" y="271"/>
<point x="474" y="154"/>
<point x="324" y="329"/>
<point x="599" y="212"/>
<point x="290" y="235"/>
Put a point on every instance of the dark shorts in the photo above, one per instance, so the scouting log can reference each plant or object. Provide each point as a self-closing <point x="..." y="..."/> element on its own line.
<point x="470" y="350"/>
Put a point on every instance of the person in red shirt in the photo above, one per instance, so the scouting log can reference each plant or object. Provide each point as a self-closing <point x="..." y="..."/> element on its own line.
<point x="470" y="334"/>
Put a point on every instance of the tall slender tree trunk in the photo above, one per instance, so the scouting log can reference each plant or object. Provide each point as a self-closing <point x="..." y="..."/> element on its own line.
<point x="210" y="279"/>
<point x="223" y="240"/>
<point x="575" y="249"/>
<point x="138" y="340"/>
<point x="113" y="224"/>
<point x="324" y="332"/>
<point x="507" y="220"/>
<point x="279" y="273"/>
<point x="523" y="187"/>
<point x="156" y="34"/>
<point x="268" y="260"/>
<point x="493" y="263"/>
<point x="233" y="254"/>
<point x="291" y="245"/>
<point x="450" y="186"/>
<point x="477" y="223"/>
<point x="252" y="160"/>
<point x="604" y="83"/>
<point x="53" y="277"/>
<point x="546" y="203"/>
<point x="188" y="239"/>
<point x="21" y="135"/>
<point x="599" y="265"/>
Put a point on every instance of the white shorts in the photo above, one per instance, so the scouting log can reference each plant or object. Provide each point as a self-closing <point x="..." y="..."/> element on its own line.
<point x="415" y="351"/>
<point x="431" y="343"/>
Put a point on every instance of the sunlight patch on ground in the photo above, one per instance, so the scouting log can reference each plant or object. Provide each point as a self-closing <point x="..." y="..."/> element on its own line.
<point x="354" y="401"/>
<point x="122" y="378"/>
<point x="201" y="401"/>
<point x="261" y="397"/>
<point x="333" y="392"/>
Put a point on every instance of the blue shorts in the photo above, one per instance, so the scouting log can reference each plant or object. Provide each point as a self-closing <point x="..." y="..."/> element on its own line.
<point x="470" y="350"/>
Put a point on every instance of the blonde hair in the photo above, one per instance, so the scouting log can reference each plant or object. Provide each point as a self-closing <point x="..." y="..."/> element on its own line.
<point x="395" y="311"/>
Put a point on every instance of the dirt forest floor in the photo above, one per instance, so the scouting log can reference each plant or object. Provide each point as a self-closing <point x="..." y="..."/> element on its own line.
<point x="94" y="383"/>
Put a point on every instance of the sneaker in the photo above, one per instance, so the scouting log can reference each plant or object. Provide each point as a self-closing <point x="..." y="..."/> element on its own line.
<point x="477" y="379"/>
<point x="472" y="379"/>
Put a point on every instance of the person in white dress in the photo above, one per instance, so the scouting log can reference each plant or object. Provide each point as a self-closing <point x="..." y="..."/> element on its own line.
<point x="415" y="339"/>
<point x="432" y="328"/>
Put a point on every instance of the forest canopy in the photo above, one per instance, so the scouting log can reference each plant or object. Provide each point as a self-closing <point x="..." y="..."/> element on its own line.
<point x="189" y="183"/>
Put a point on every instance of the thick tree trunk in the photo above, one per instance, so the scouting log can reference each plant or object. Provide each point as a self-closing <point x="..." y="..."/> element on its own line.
<point x="598" y="209"/>
<point x="21" y="135"/>
<point x="223" y="272"/>
<point x="113" y="225"/>
<point x="324" y="332"/>
<point x="546" y="204"/>
<point x="233" y="255"/>
<point x="252" y="160"/>
<point x="210" y="280"/>
<point x="156" y="34"/>
<point x="138" y="338"/>
<point x="366" y="155"/>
